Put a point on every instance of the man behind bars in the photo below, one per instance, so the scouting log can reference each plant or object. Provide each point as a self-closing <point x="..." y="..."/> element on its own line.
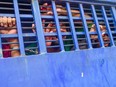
<point x="10" y="22"/>
<point x="47" y="10"/>
<point x="105" y="36"/>
<point x="8" y="26"/>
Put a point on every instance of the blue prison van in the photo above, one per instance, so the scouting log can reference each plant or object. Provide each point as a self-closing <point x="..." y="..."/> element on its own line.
<point x="57" y="43"/>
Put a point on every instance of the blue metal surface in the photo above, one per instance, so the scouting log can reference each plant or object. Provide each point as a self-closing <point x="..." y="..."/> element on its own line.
<point x="97" y="26"/>
<point x="93" y="68"/>
<point x="85" y="25"/>
<point x="1" y="54"/>
<point x="39" y="27"/>
<point x="113" y="9"/>
<point x="79" y="68"/>
<point x="108" y="27"/>
<point x="72" y="26"/>
<point x="19" y="28"/>
<point x="108" y="0"/>
<point x="57" y="26"/>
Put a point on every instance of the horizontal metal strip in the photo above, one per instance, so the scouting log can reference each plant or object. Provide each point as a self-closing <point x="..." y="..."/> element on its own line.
<point x="81" y="38"/>
<point x="31" y="48"/>
<point x="21" y="15"/>
<point x="114" y="38"/>
<point x="27" y="22"/>
<point x="55" y="34"/>
<point x="53" y="46"/>
<point x="69" y="45"/>
<point x="64" y="17"/>
<point x="67" y="39"/>
<point x="8" y="3"/>
<point x="51" y="40"/>
<point x="15" y="35"/>
<point x="5" y="8"/>
<point x="27" y="27"/>
<point x="7" y="15"/>
<point x="24" y="4"/>
<point x="29" y="34"/>
<point x="91" y="3"/>
<point x="26" y="15"/>
<point x="10" y="49"/>
<point x="48" y="34"/>
<point x="82" y="44"/>
<point x="10" y="43"/>
<point x="8" y="35"/>
<point x="113" y="32"/>
<point x="100" y="18"/>
<point x="107" y="42"/>
<point x="25" y="9"/>
<point x="55" y="27"/>
<point x="95" y="43"/>
<point x="30" y="42"/>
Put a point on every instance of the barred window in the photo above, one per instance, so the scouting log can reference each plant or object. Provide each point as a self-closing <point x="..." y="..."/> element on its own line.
<point x="32" y="28"/>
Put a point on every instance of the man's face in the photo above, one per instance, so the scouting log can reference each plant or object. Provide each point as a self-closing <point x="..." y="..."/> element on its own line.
<point x="105" y="36"/>
<point x="52" y="29"/>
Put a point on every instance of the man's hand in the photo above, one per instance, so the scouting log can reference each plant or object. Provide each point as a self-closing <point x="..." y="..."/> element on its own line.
<point x="7" y="25"/>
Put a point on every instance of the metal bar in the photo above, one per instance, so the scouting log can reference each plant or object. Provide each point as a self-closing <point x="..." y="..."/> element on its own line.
<point x="113" y="9"/>
<point x="7" y="15"/>
<point x="8" y="3"/>
<point x="24" y="4"/>
<point x="1" y="53"/>
<point x="26" y="10"/>
<point x="19" y="29"/>
<point x="85" y="25"/>
<point x="26" y="16"/>
<point x="99" y="18"/>
<point x="65" y="17"/>
<point x="107" y="26"/>
<point x="8" y="35"/>
<point x="90" y="2"/>
<point x="72" y="27"/>
<point x="6" y="8"/>
<point x="57" y="26"/>
<point x="97" y="26"/>
<point x="9" y="42"/>
<point x="21" y="15"/>
<point x="39" y="27"/>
